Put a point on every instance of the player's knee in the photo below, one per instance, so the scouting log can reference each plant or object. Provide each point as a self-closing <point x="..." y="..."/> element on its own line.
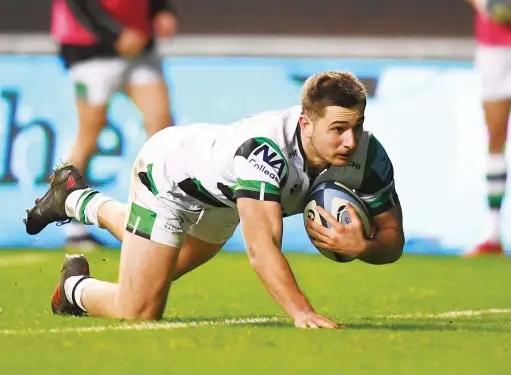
<point x="139" y="309"/>
<point x="149" y="314"/>
<point x="142" y="312"/>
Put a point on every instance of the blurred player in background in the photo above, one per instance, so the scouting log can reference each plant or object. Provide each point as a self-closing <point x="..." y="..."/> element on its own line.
<point x="493" y="60"/>
<point x="107" y="46"/>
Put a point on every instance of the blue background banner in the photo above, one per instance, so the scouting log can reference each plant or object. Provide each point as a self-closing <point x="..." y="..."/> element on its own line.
<point x="420" y="110"/>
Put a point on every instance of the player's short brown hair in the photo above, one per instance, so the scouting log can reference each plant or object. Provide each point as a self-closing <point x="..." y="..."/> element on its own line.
<point x="326" y="89"/>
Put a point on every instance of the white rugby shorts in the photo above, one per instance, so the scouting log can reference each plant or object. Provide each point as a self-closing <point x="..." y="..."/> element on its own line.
<point x="494" y="66"/>
<point x="159" y="210"/>
<point x="96" y="80"/>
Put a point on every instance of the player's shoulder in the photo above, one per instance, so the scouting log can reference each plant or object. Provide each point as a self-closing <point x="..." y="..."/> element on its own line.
<point x="276" y="128"/>
<point x="374" y="148"/>
<point x="271" y="118"/>
<point x="378" y="163"/>
<point x="266" y="140"/>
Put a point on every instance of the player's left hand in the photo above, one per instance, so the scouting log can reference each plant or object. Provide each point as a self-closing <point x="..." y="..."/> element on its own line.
<point x="165" y="24"/>
<point x="345" y="239"/>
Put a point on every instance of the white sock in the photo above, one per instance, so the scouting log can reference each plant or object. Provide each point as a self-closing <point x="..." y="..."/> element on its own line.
<point x="494" y="226"/>
<point x="83" y="205"/>
<point x="496" y="176"/>
<point x="71" y="285"/>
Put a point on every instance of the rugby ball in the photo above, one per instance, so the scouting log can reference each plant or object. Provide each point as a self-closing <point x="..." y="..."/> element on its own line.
<point x="333" y="196"/>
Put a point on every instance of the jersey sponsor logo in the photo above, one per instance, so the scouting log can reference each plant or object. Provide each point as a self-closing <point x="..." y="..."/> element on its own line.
<point x="268" y="156"/>
<point x="174" y="223"/>
<point x="354" y="164"/>
<point x="261" y="167"/>
<point x="265" y="159"/>
<point x="292" y="154"/>
<point x="265" y="156"/>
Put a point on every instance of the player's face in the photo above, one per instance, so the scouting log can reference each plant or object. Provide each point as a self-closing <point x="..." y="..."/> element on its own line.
<point x="336" y="134"/>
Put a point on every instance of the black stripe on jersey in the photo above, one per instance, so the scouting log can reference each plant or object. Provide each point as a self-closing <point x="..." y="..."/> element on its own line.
<point x="247" y="148"/>
<point x="190" y="188"/>
<point x="93" y="17"/>
<point x="372" y="182"/>
<point x="129" y="228"/>
<point x="256" y="195"/>
<point x="224" y="189"/>
<point x="496" y="177"/>
<point x="298" y="135"/>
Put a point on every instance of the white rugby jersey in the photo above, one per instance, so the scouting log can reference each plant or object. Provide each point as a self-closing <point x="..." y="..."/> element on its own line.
<point x="261" y="157"/>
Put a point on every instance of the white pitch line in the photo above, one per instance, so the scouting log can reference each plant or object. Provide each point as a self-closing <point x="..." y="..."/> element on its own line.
<point x="152" y="326"/>
<point x="449" y="314"/>
<point x="148" y="326"/>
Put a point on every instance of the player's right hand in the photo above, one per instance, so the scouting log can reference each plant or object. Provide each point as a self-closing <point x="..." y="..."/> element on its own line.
<point x="310" y="319"/>
<point x="131" y="42"/>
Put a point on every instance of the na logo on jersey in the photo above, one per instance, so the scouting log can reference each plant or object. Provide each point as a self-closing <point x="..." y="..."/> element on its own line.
<point x="264" y="155"/>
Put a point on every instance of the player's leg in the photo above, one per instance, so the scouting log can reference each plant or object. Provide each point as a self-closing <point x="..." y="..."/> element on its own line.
<point x="149" y="261"/>
<point x="206" y="238"/>
<point x="155" y="231"/>
<point x="195" y="252"/>
<point x="496" y="117"/>
<point x="203" y="242"/>
<point x="95" y="81"/>
<point x="147" y="88"/>
<point x="146" y="271"/>
<point x="112" y="217"/>
<point x="145" y="275"/>
<point x="496" y="90"/>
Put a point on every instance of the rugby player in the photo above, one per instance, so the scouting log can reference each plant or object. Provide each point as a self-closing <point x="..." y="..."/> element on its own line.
<point x="192" y="185"/>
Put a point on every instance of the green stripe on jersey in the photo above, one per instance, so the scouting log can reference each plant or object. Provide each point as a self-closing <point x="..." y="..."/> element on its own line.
<point x="141" y="221"/>
<point x="154" y="189"/>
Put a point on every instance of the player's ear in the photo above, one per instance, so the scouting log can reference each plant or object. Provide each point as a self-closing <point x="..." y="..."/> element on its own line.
<point x="306" y="125"/>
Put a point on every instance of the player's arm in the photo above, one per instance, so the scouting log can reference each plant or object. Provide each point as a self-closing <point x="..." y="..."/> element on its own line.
<point x="386" y="246"/>
<point x="261" y="223"/>
<point x="378" y="191"/>
<point x="379" y="194"/>
<point x="260" y="167"/>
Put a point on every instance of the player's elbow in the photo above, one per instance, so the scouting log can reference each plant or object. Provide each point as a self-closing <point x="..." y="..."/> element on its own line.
<point x="395" y="255"/>
<point x="396" y="252"/>
<point x="386" y="254"/>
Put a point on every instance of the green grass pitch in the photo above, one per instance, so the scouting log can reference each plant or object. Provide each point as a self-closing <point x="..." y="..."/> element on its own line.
<point x="422" y="315"/>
